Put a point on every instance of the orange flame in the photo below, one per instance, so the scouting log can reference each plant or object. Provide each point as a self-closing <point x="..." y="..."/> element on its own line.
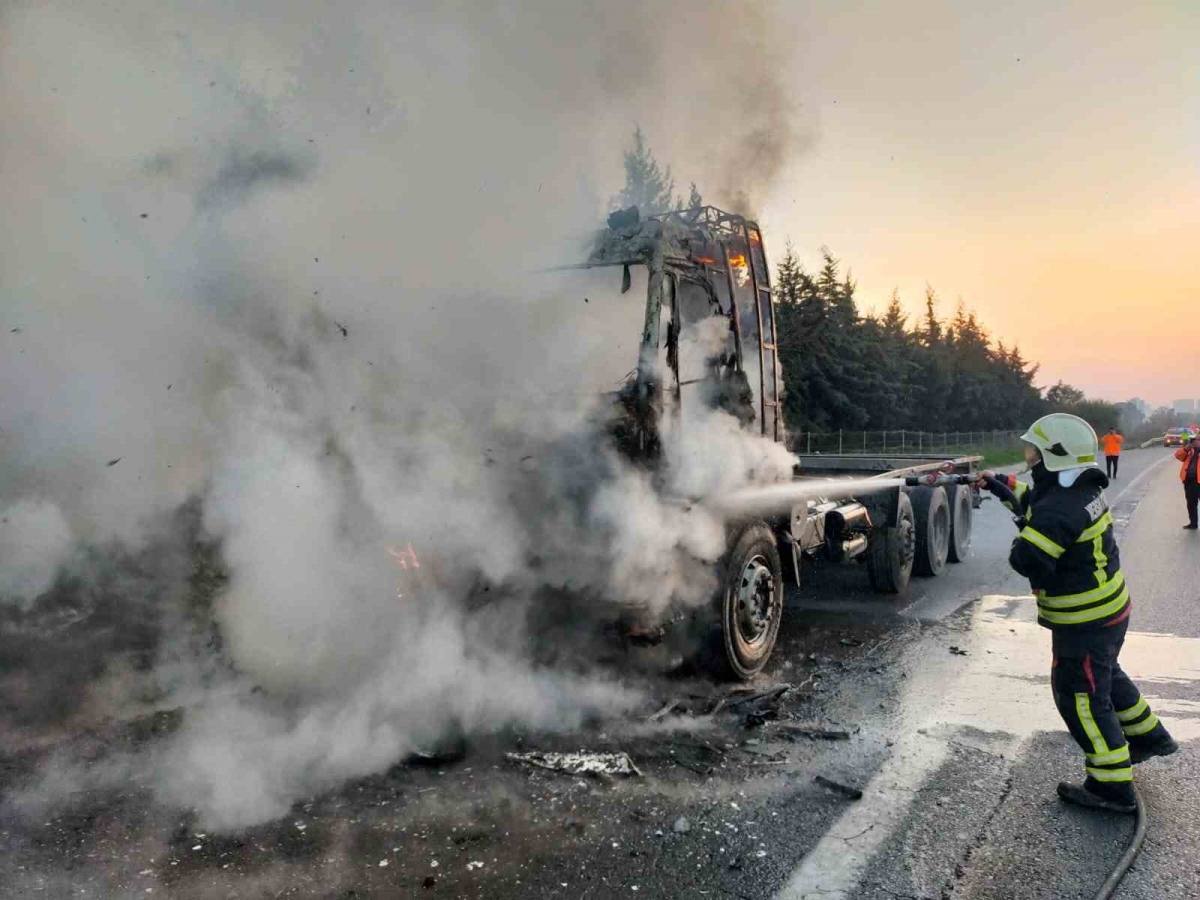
<point x="403" y="557"/>
<point x="738" y="261"/>
<point x="707" y="260"/>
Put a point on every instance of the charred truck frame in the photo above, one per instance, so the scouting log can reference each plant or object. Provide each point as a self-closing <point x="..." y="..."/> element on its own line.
<point x="704" y="263"/>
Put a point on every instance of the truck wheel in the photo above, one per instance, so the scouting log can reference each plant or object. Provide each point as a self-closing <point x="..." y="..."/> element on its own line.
<point x="932" y="511"/>
<point x="961" y="512"/>
<point x="892" y="550"/>
<point x="751" y="603"/>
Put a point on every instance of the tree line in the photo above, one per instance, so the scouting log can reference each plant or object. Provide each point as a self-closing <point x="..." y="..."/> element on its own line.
<point x="843" y="369"/>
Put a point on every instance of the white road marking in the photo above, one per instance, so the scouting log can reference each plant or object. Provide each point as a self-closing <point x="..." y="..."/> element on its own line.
<point x="948" y="693"/>
<point x="1141" y="475"/>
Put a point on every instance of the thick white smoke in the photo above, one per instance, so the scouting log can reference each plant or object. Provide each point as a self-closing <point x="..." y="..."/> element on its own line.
<point x="35" y="542"/>
<point x="271" y="256"/>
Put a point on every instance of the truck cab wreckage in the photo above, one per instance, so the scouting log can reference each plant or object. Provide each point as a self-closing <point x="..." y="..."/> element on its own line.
<point x="703" y="266"/>
<point x="707" y="269"/>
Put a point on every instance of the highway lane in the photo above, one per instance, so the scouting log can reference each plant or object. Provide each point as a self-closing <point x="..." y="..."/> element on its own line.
<point x="965" y="806"/>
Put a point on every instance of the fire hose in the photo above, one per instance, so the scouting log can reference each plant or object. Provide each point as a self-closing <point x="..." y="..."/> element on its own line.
<point x="1001" y="491"/>
<point x="1109" y="888"/>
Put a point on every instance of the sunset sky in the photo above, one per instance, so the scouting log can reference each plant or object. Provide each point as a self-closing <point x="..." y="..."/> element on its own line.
<point x="1044" y="166"/>
<point x="1040" y="161"/>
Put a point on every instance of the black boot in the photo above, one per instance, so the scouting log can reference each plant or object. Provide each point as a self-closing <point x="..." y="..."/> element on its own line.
<point x="1157" y="743"/>
<point x="1118" y="798"/>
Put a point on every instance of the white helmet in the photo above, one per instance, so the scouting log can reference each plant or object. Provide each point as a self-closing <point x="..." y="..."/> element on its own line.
<point x="1065" y="441"/>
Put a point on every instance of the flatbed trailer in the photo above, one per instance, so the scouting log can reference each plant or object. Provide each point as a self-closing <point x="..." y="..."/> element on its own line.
<point x="914" y="522"/>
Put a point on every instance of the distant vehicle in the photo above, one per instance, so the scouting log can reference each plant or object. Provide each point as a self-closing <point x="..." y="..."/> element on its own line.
<point x="1173" y="437"/>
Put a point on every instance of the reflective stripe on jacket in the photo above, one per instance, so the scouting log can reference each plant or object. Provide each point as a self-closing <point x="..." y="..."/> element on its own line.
<point x="1069" y="554"/>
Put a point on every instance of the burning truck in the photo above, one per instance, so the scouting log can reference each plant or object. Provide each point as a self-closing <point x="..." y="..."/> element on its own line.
<point x="706" y="266"/>
<point x="706" y="277"/>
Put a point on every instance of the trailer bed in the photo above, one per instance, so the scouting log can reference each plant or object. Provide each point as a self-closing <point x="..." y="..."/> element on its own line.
<point x="820" y="465"/>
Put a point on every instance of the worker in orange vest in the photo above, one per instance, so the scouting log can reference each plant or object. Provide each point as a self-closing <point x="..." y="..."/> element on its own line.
<point x="1189" y="474"/>
<point x="1112" y="451"/>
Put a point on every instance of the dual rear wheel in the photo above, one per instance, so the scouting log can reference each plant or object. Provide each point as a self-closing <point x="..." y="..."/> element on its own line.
<point x="932" y="529"/>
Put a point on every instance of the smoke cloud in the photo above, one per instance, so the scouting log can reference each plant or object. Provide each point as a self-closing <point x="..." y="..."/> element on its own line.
<point x="267" y="263"/>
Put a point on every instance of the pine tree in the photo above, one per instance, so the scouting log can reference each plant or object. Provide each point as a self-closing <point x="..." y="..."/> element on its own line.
<point x="895" y="320"/>
<point x="934" y="379"/>
<point x="847" y="371"/>
<point x="694" y="199"/>
<point x="648" y="186"/>
<point x="1064" y="395"/>
<point x="787" y="277"/>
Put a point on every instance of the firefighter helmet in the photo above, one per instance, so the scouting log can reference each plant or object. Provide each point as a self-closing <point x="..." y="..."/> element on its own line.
<point x="1064" y="441"/>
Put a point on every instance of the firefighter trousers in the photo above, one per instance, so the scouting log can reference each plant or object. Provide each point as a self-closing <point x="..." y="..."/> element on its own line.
<point x="1102" y="707"/>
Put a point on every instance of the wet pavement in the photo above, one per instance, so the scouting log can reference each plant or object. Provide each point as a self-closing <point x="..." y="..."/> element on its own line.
<point x="950" y="734"/>
<point x="969" y="802"/>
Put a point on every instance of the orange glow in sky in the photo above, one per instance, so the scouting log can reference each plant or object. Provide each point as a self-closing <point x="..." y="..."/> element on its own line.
<point x="1041" y="165"/>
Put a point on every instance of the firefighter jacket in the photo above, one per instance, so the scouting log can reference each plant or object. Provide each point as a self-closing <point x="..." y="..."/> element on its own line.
<point x="1067" y="550"/>
<point x="1188" y="457"/>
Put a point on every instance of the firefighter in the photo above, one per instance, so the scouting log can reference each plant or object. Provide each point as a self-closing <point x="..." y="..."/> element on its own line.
<point x="1067" y="550"/>
<point x="1112" y="451"/>
<point x="1189" y="455"/>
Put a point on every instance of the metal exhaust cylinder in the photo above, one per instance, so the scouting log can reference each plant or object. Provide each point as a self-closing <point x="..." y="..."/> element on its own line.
<point x="846" y="530"/>
<point x="853" y="546"/>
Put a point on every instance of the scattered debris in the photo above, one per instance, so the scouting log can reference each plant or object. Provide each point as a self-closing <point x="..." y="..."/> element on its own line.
<point x="697" y="757"/>
<point x="581" y="763"/>
<point x="810" y="730"/>
<point x="758" y="707"/>
<point x="837" y="787"/>
<point x="449" y="750"/>
<point x="682" y="825"/>
<point x="850" y="642"/>
<point x="958" y="651"/>
<point x="664" y="712"/>
<point x="429" y="882"/>
<point x="15" y="331"/>
<point x="383" y="864"/>
<point x="113" y="462"/>
<point x="474" y="864"/>
<point x="773" y="695"/>
<point x="343" y="329"/>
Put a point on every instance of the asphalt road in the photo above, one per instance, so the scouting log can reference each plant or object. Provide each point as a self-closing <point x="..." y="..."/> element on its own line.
<point x="968" y="804"/>
<point x="947" y="727"/>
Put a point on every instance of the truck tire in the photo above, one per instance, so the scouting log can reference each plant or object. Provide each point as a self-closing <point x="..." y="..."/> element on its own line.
<point x="961" y="511"/>
<point x="892" y="550"/>
<point x="750" y="604"/>
<point x="931" y="509"/>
